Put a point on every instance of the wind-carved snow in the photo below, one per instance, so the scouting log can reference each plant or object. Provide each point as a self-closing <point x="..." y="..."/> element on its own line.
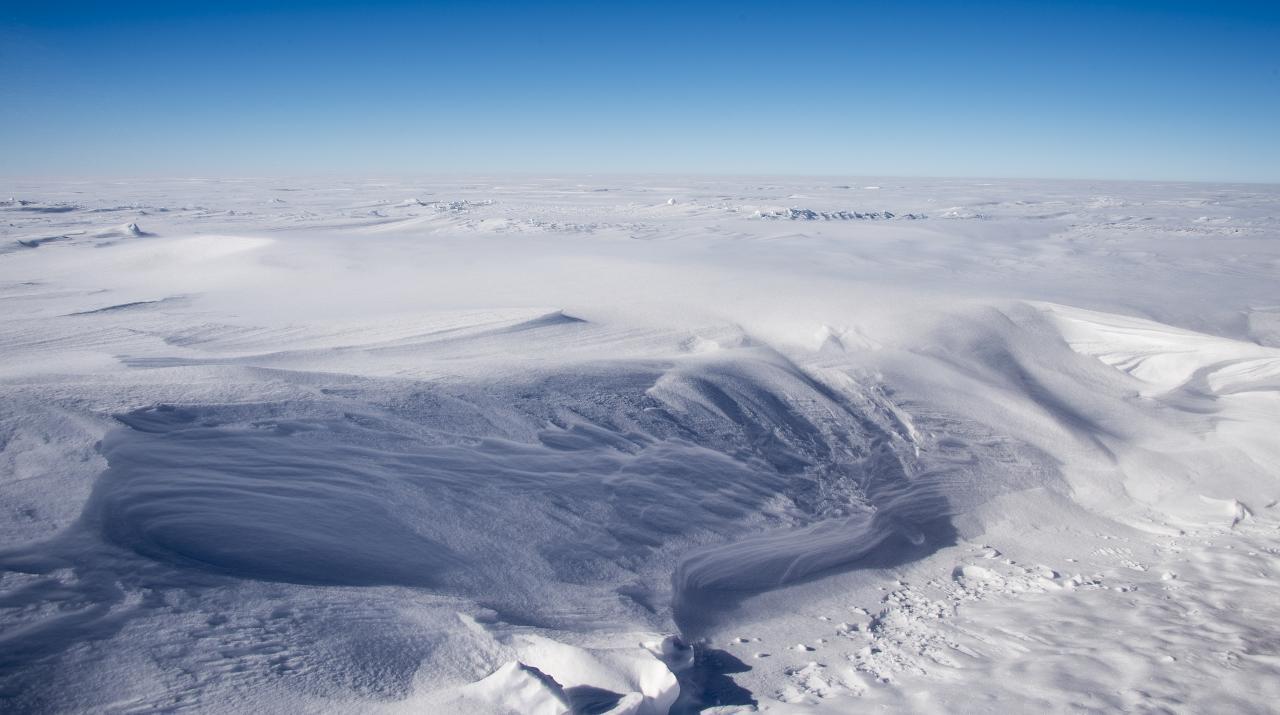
<point x="546" y="446"/>
<point x="317" y="494"/>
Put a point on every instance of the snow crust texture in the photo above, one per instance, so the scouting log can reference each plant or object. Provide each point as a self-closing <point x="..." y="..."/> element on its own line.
<point x="638" y="445"/>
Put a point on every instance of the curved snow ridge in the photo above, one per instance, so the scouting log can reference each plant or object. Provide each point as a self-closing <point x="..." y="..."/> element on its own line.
<point x="250" y="344"/>
<point x="888" y="514"/>
<point x="399" y="347"/>
<point x="1244" y="375"/>
<point x="169" y="301"/>
<point x="709" y="582"/>
<point x="1166" y="357"/>
<point x="1192" y="416"/>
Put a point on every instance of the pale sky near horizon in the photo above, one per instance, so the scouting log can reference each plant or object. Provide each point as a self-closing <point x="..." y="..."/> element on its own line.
<point x="1169" y="90"/>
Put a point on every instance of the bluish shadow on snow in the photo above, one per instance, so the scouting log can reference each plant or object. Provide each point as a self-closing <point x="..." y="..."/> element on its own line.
<point x="249" y="501"/>
<point x="567" y="500"/>
<point x="267" y="493"/>
<point x="707" y="684"/>
<point x="627" y="462"/>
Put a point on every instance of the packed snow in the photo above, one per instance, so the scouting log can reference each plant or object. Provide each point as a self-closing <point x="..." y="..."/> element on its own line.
<point x="638" y="445"/>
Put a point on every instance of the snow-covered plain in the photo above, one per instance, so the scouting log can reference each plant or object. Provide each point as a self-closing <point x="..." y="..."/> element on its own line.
<point x="482" y="445"/>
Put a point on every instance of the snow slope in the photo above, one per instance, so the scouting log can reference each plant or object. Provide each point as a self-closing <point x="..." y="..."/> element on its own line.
<point x="638" y="445"/>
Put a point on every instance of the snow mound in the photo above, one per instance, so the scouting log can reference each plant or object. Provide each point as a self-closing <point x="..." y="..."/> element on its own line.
<point x="513" y="689"/>
<point x="961" y="212"/>
<point x="128" y="230"/>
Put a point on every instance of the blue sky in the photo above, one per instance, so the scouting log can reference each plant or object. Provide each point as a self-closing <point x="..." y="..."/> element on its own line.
<point x="1089" y="89"/>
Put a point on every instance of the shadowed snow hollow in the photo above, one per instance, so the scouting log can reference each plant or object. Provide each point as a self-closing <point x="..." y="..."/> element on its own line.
<point x="632" y="464"/>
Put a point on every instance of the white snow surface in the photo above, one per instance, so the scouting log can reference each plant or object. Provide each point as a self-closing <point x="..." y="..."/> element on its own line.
<point x="638" y="445"/>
